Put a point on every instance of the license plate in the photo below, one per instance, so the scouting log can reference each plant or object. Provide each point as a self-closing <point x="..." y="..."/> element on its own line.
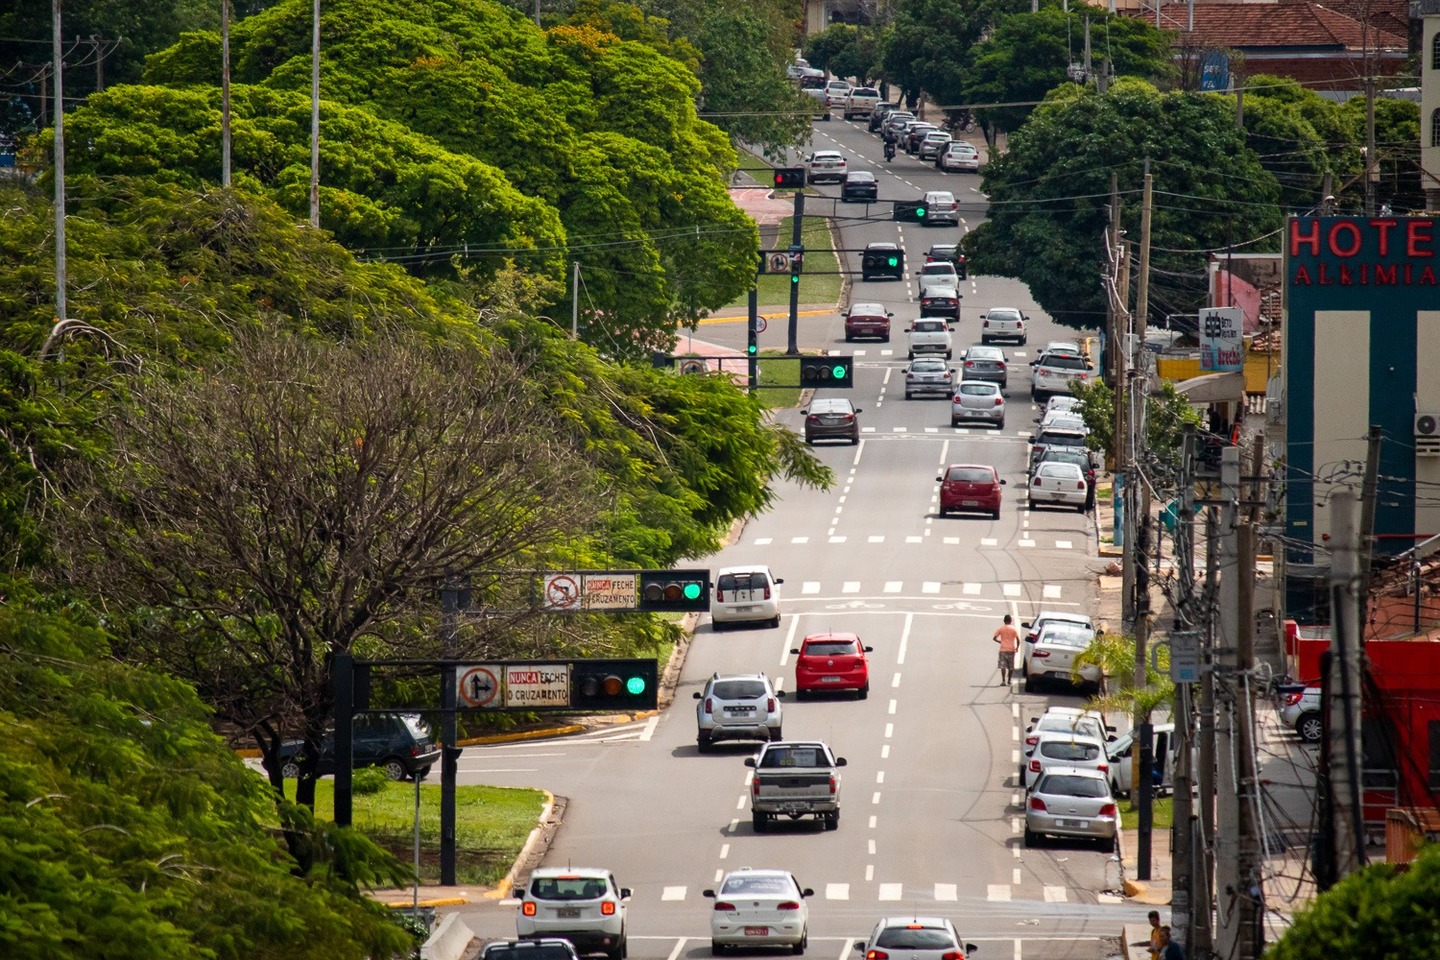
<point x="757" y="931"/>
<point x="830" y="679"/>
<point x="743" y="609"/>
<point x="568" y="913"/>
<point x="740" y="710"/>
<point x="969" y="503"/>
<point x="1072" y="823"/>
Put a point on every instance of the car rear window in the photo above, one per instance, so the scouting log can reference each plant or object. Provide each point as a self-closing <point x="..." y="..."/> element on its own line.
<point x="1061" y="439"/>
<point x="802" y="756"/>
<point x="864" y="92"/>
<point x="757" y="885"/>
<point x="1084" y="725"/>
<point x="528" y="952"/>
<point x="829" y="648"/>
<point x="1068" y="785"/>
<point x="1066" y="637"/>
<point x="970" y="475"/>
<point x="742" y="581"/>
<point x="1059" y="471"/>
<point x="928" y="366"/>
<point x="567" y="888"/>
<point x="1002" y="314"/>
<point x="924" y="938"/>
<point x="929" y="326"/>
<point x="979" y="389"/>
<point x="1069" y="750"/>
<point x="1062" y="362"/>
<point x="738" y="689"/>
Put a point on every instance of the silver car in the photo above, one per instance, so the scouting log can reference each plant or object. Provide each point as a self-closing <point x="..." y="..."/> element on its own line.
<point x="929" y="375"/>
<point x="1301" y="713"/>
<point x="978" y="400"/>
<point x="1064" y="748"/>
<point x="1059" y="484"/>
<point x="986" y="363"/>
<point x="913" y="937"/>
<point x="759" y="908"/>
<point x="738" y="707"/>
<point x="1070" y="802"/>
<point x="1052" y="656"/>
<point x="934" y="142"/>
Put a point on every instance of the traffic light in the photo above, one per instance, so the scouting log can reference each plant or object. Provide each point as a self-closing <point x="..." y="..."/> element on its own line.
<point x="613" y="684"/>
<point x="787" y="178"/>
<point x="752" y="345"/>
<point x="797" y="262"/>
<point x="675" y="591"/>
<point x="909" y="211"/>
<point x="827" y="372"/>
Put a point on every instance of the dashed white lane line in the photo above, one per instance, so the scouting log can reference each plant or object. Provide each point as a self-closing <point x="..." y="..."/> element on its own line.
<point x="873" y="819"/>
<point x="740" y="804"/>
<point x="673" y="893"/>
<point x="988" y="541"/>
<point x="885" y="752"/>
<point x="893" y="586"/>
<point x="799" y="540"/>
<point x="952" y="541"/>
<point x="930" y="586"/>
<point x="889" y="730"/>
<point x="879" y="539"/>
<point x="879" y="778"/>
<point x="947" y="891"/>
<point x="870" y="845"/>
<point x="1025" y="543"/>
<point x="971" y="589"/>
<point x="837" y="891"/>
<point x="810" y="586"/>
<point x="900" y="654"/>
<point x="680" y="947"/>
<point x="1015" y="878"/>
<point x="1051" y="591"/>
<point x="997" y="891"/>
<point x="1063" y="544"/>
<point x="764" y="541"/>
<point x="893" y="705"/>
<point x="891" y="891"/>
<point x="724" y="852"/>
<point x="875" y="798"/>
<point x="1011" y="590"/>
<point x="1055" y="894"/>
<point x="869" y="872"/>
<point x="837" y="539"/>
<point x="917" y="539"/>
<point x="850" y="586"/>
<point x="895" y="681"/>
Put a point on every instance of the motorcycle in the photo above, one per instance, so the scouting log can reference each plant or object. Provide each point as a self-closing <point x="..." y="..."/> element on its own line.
<point x="889" y="152"/>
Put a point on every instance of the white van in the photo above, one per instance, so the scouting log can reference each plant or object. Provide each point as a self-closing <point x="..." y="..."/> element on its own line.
<point x="1162" y="764"/>
<point x="746" y="594"/>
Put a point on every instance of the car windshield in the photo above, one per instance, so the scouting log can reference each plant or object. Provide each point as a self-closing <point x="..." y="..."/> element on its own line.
<point x="757" y="885"/>
<point x="1069" y="750"/>
<point x="1069" y="785"/>
<point x="797" y="756"/>
<point x="979" y="389"/>
<point x="914" y="938"/>
<point x="738" y="689"/>
<point x="970" y="475"/>
<point x="829" y="648"/>
<point x="567" y="888"/>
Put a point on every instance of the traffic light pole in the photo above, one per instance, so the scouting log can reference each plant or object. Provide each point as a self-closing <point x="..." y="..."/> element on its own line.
<point x="796" y="246"/>
<point x="752" y="347"/>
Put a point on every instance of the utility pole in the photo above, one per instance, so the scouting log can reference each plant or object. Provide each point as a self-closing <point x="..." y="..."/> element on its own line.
<point x="1368" y="496"/>
<point x="1250" y="929"/>
<point x="1203" y="942"/>
<point x="575" y="301"/>
<point x="1087" y="49"/>
<point x="1372" y="165"/>
<point x="1144" y="756"/>
<point x="315" y="115"/>
<point x="57" y="59"/>
<point x="225" y="92"/>
<point x="1348" y="825"/>
<point x="1122" y="438"/>
<point x="1182" y="831"/>
<point x="796" y="247"/>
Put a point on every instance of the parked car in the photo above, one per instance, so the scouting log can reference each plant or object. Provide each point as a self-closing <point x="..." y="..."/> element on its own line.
<point x="970" y="487"/>
<point x="957" y="156"/>
<point x="820" y="104"/>
<point x="947" y="253"/>
<point x="1076" y="720"/>
<point x="759" y="908"/>
<point x="859" y="185"/>
<point x="1059" y="485"/>
<point x="913" y="937"/>
<point x="1053" y="372"/>
<point x="1061" y="403"/>
<point x="831" y="661"/>
<point x="860" y="102"/>
<point x="1079" y="456"/>
<point x="1063" y="420"/>
<point x="934" y="142"/>
<point x="978" y="400"/>
<point x="825" y="165"/>
<point x="882" y="260"/>
<point x="1064" y="748"/>
<point x="1003" y="323"/>
<point x="583" y="905"/>
<point x="867" y="320"/>
<point x="895" y="121"/>
<point x="1052" y="657"/>
<point x="399" y="743"/>
<point x="746" y="594"/>
<point x="1043" y="619"/>
<point x="1071" y="802"/>
<point x="986" y="363"/>
<point x="929" y="375"/>
<point x="929" y="336"/>
<point x="742" y="706"/>
<point x="940" y="207"/>
<point x="1162" y="760"/>
<point x="1301" y="712"/>
<point x="914" y="133"/>
<point x="1056" y="437"/>
<point x="831" y="418"/>
<point x="837" y="92"/>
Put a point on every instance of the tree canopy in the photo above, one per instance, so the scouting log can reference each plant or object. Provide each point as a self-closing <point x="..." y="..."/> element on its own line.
<point x="1050" y="192"/>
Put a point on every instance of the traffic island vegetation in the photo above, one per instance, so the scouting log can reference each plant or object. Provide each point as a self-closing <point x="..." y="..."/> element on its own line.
<point x="820" y="280"/>
<point x="491" y="825"/>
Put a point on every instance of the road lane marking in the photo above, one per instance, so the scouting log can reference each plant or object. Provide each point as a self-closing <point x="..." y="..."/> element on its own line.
<point x="837" y="539"/>
<point x="879" y="539"/>
<point x="1051" y="591"/>
<point x="891" y="891"/>
<point x="789" y="641"/>
<point x="680" y="947"/>
<point x="893" y="586"/>
<point x="678" y="893"/>
<point x="1011" y="589"/>
<point x="997" y="891"/>
<point x="875" y="798"/>
<point x="763" y="541"/>
<point x="895" y="680"/>
<point x="988" y="542"/>
<point x="810" y="586"/>
<point x="799" y="540"/>
<point x="930" y="586"/>
<point x="952" y="541"/>
<point x="1055" y="894"/>
<point x="891" y="711"/>
<point x="869" y="872"/>
<point x="850" y="586"/>
<point x="740" y="804"/>
<point x="946" y="891"/>
<point x="900" y="654"/>
<point x="1015" y="878"/>
<point x="885" y="752"/>
<point x="837" y="891"/>
<point x="879" y="778"/>
<point x="889" y="730"/>
<point x="916" y="539"/>
<point x="1026" y="543"/>
<point x="1063" y="544"/>
<point x="724" y="852"/>
<point x="971" y="589"/>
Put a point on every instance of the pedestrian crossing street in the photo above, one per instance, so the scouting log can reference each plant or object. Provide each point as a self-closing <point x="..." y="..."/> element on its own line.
<point x="879" y="893"/>
<point x="1022" y="542"/>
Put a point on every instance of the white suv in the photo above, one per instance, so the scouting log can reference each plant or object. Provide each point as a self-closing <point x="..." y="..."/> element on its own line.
<point x="738" y="707"/>
<point x="861" y="101"/>
<point x="930" y="335"/>
<point x="1054" y="371"/>
<point x="825" y="165"/>
<point x="745" y="594"/>
<point x="581" y="904"/>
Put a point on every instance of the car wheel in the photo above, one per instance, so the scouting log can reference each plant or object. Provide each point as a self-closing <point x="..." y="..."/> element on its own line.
<point x="947" y="354"/>
<point x="995" y="515"/>
<point x="943" y="511"/>
<point x="909" y="395"/>
<point x="984" y="340"/>
<point x="912" y="355"/>
<point x="717" y="949"/>
<point x="1022" y="341"/>
<point x="1000" y="425"/>
<point x="757" y="821"/>
<point x="1310" y="726"/>
<point x="396" y="770"/>
<point x="799" y="948"/>
<point x="290" y="770"/>
<point x="849" y="339"/>
<point x="776" y="735"/>
<point x="1030" y="503"/>
<point x="703" y="744"/>
<point x="954" y="422"/>
<point x="617" y="952"/>
<point x="774" y="621"/>
<point x="885" y="339"/>
<point x="832" y="821"/>
<point x="1029" y="683"/>
<point x="864" y="691"/>
<point x="1080" y="508"/>
<point x="1032" y="839"/>
<point x="854" y="441"/>
<point x="801" y="693"/>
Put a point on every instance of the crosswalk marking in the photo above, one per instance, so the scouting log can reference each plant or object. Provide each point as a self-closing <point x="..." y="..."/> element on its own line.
<point x="837" y="891"/>
<point x="1025" y="543"/>
<point x="1010" y="589"/>
<point x="893" y="586"/>
<point x="971" y="589"/>
<point x="914" y="539"/>
<point x="799" y="540"/>
<point x="1051" y="591"/>
<point x="879" y="539"/>
<point x="989" y="542"/>
<point x="930" y="586"/>
<point x="1055" y="894"/>
<point x="850" y="586"/>
<point x="1063" y="544"/>
<point x="891" y="891"/>
<point x="810" y="586"/>
<point x="947" y="891"/>
<point x="997" y="891"/>
<point x="673" y="893"/>
<point x="763" y="541"/>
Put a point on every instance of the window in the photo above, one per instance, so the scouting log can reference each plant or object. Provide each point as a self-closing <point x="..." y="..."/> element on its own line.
<point x="1435" y="121"/>
<point x="1435" y="52"/>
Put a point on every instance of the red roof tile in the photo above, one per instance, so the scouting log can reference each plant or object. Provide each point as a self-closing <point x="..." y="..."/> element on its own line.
<point x="1267" y="26"/>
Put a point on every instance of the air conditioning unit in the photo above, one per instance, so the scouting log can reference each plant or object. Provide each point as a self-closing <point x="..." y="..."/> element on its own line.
<point x="1427" y="434"/>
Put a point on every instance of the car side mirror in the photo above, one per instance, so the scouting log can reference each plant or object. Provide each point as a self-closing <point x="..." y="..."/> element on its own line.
<point x="860" y="946"/>
<point x="1032" y="438"/>
<point x="780" y="580"/>
<point x="804" y="413"/>
<point x="699" y="695"/>
<point x="869" y="649"/>
<point x="939" y="479"/>
<point x="971" y="948"/>
<point x="518" y="893"/>
<point x="807" y="892"/>
<point x="794" y="651"/>
<point x="779" y="694"/>
<point x="1026" y="625"/>
<point x="949" y="326"/>
<point x="624" y="893"/>
<point x="1002" y="481"/>
<point x="839" y="761"/>
<point x="708" y="893"/>
<point x="749" y="762"/>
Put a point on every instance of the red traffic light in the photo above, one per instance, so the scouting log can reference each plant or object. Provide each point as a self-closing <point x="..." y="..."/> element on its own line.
<point x="790" y="177"/>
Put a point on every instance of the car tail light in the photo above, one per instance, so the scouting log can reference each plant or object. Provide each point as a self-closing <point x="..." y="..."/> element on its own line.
<point x="1103" y="767"/>
<point x="1108" y="810"/>
<point x="528" y="908"/>
<point x="969" y="364"/>
<point x="1293" y="698"/>
<point x="1080" y="485"/>
<point x="834" y="785"/>
<point x="1035" y="765"/>
<point x="847" y="418"/>
<point x="722" y="905"/>
<point x="1031" y="741"/>
<point x="1001" y="363"/>
<point x="909" y="376"/>
<point x="1040" y="654"/>
<point x="608" y="908"/>
<point x="1037" y="804"/>
<point x="812" y="418"/>
<point x="766" y="595"/>
<point x="985" y="324"/>
<point x="788" y="905"/>
<point x="755" y="786"/>
<point x="952" y="955"/>
<point x="720" y="594"/>
<point x="876" y="955"/>
<point x="770" y="705"/>
<point x="709" y="708"/>
<point x="999" y="401"/>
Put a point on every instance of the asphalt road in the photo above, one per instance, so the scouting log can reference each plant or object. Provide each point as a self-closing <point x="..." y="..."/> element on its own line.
<point x="931" y="812"/>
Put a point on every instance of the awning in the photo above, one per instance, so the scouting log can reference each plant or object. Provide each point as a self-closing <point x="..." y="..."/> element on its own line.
<point x="1213" y="388"/>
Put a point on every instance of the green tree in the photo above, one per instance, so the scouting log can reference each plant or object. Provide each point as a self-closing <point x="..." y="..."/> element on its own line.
<point x="1049" y="196"/>
<point x="1397" y="142"/>
<point x="846" y="51"/>
<point x="1167" y="414"/>
<point x="130" y="831"/>
<point x="929" y="44"/>
<point x="1028" y="54"/>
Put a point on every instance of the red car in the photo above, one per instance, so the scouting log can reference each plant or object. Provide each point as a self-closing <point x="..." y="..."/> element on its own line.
<point x="832" y="661"/>
<point x="970" y="487"/>
<point x="867" y="320"/>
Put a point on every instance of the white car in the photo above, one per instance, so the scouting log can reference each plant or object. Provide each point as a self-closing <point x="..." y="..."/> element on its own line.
<point x="1086" y="723"/>
<point x="935" y="141"/>
<point x="1063" y="748"/>
<point x="744" y="595"/>
<point x="759" y="908"/>
<point x="837" y="92"/>
<point x="1052" y="656"/>
<point x="912" y="937"/>
<point x="938" y="273"/>
<point x="861" y="101"/>
<point x="1301" y="712"/>
<point x="1032" y="628"/>
<point x="1055" y="370"/>
<point x="581" y="904"/>
<point x="930" y="335"/>
<point x="978" y="400"/>
<point x="1059" y="484"/>
<point x="940" y="207"/>
<point x="1064" y="403"/>
<point x="826" y="165"/>
<point x="1003" y="323"/>
<point x="1162" y="760"/>
<point x="959" y="155"/>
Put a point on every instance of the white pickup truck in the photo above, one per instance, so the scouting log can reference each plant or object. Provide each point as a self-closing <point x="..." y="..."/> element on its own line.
<point x="860" y="102"/>
<point x="795" y="778"/>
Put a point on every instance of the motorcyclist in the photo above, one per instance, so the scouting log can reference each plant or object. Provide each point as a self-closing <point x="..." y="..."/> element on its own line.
<point x="889" y="149"/>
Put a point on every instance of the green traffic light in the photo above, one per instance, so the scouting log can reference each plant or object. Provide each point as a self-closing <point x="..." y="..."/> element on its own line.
<point x="795" y="278"/>
<point x="635" y="685"/>
<point x="838" y="372"/>
<point x="894" y="261"/>
<point x="750" y="350"/>
<point x="919" y="211"/>
<point x="692" y="591"/>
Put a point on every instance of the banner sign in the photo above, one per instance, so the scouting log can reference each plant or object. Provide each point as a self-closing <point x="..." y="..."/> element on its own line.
<point x="1222" y="341"/>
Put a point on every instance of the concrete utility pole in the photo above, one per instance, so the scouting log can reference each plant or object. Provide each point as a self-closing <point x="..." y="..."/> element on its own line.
<point x="796" y="247"/>
<point x="1202" y="943"/>
<point x="1348" y="825"/>
<point x="1372" y="162"/>
<point x="1369" y="493"/>
<point x="1182" y="832"/>
<point x="315" y="116"/>
<point x="1143" y="757"/>
<point x="57" y="58"/>
<point x="225" y="92"/>
<point x="575" y="301"/>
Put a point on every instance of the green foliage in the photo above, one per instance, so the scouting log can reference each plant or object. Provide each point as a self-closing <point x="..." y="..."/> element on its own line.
<point x="1167" y="412"/>
<point x="743" y="84"/>
<point x="1397" y="134"/>
<point x="369" y="780"/>
<point x="929" y="45"/>
<point x="1028" y="54"/>
<point x="1380" y="911"/>
<point x="130" y="831"/>
<point x="1050" y="193"/>
<point x="1114" y="653"/>
<point x="846" y="51"/>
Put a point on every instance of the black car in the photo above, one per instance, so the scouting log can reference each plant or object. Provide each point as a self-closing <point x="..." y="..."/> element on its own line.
<point x="882" y="261"/>
<point x="947" y="253"/>
<point x="860" y="185"/>
<point x="400" y="743"/>
<point x="878" y="115"/>
<point x="831" y="419"/>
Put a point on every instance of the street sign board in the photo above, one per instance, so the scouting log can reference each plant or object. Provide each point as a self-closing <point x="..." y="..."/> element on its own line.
<point x="1222" y="343"/>
<point x="603" y="591"/>
<point x="1185" y="656"/>
<point x="477" y="686"/>
<point x="561" y="593"/>
<point x="537" y="685"/>
<point x="608" y="591"/>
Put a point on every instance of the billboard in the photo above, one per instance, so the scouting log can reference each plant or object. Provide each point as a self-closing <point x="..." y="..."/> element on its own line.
<point x="1222" y="343"/>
